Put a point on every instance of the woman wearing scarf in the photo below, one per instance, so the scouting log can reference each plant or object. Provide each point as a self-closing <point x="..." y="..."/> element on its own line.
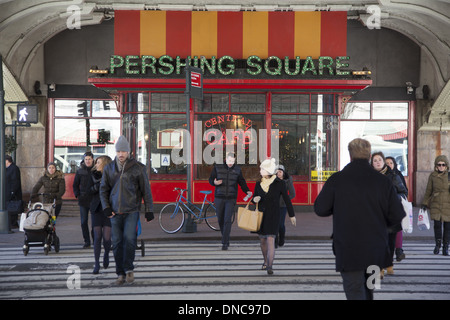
<point x="379" y="163"/>
<point x="437" y="199"/>
<point x="267" y="195"/>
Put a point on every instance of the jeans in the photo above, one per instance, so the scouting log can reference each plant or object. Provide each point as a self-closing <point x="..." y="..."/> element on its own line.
<point x="124" y="237"/>
<point x="225" y="209"/>
<point x="355" y="285"/>
<point x="282" y="228"/>
<point x="84" y="215"/>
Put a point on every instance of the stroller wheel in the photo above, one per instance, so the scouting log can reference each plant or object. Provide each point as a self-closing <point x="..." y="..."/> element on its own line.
<point x="56" y="244"/>
<point x="142" y="248"/>
<point x="25" y="250"/>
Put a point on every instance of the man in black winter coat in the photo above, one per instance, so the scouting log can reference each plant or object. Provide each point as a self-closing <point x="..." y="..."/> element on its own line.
<point x="226" y="178"/>
<point x="124" y="185"/>
<point x="13" y="191"/>
<point x="81" y="188"/>
<point x="364" y="205"/>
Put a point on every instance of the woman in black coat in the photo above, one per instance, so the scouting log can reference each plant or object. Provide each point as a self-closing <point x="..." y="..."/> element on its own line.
<point x="267" y="195"/>
<point x="399" y="253"/>
<point x="378" y="162"/>
<point x="100" y="223"/>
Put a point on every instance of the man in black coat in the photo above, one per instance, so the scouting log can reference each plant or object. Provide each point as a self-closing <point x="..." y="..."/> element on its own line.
<point x="365" y="207"/>
<point x="226" y="178"/>
<point x="123" y="188"/>
<point x="81" y="188"/>
<point x="13" y="191"/>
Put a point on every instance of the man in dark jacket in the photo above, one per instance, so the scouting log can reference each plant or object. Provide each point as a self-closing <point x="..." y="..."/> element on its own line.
<point x="124" y="185"/>
<point x="364" y="206"/>
<point x="13" y="191"/>
<point x="226" y="178"/>
<point x="81" y="188"/>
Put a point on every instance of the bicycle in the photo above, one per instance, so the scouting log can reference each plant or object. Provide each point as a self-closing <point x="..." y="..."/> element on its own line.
<point x="172" y="217"/>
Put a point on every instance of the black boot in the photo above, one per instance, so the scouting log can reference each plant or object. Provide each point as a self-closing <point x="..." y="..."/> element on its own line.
<point x="445" y="249"/>
<point x="400" y="255"/>
<point x="281" y="239"/>
<point x="446" y="238"/>
<point x="438" y="246"/>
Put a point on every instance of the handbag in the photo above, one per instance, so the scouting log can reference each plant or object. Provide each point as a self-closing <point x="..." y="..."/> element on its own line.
<point x="249" y="219"/>
<point x="407" y="222"/>
<point x="423" y="222"/>
<point x="14" y="206"/>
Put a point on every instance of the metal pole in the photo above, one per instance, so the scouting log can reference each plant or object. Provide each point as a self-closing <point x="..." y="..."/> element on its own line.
<point x="188" y="128"/>
<point x="189" y="225"/>
<point x="4" y="223"/>
<point x="14" y="135"/>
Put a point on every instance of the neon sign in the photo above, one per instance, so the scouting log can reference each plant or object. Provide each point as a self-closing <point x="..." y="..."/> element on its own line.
<point x="229" y="136"/>
<point x="273" y="66"/>
<point x="237" y="137"/>
<point x="228" y="118"/>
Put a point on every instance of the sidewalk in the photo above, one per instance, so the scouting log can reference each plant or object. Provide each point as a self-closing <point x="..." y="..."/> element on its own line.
<point x="309" y="227"/>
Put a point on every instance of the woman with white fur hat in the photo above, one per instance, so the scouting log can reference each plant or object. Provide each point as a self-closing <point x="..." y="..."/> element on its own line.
<point x="267" y="195"/>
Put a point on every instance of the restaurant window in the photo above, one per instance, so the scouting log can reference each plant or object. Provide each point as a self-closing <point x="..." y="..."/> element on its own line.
<point x="153" y="125"/>
<point x="230" y="132"/>
<point x="304" y="126"/>
<point x="84" y="125"/>
<point x="294" y="143"/>
<point x="383" y="124"/>
<point x="308" y="134"/>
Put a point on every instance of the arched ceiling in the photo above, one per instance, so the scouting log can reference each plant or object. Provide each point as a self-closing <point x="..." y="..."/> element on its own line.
<point x="25" y="25"/>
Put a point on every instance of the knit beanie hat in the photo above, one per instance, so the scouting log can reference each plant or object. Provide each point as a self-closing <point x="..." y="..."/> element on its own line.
<point x="51" y="164"/>
<point x="269" y="165"/>
<point x="122" y="144"/>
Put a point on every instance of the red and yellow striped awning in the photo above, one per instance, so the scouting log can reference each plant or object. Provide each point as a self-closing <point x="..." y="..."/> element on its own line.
<point x="236" y="34"/>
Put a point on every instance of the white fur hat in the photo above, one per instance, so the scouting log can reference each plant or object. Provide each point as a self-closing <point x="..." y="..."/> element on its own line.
<point x="269" y="165"/>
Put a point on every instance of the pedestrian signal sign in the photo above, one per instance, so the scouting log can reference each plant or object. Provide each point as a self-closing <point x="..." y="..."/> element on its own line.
<point x="27" y="113"/>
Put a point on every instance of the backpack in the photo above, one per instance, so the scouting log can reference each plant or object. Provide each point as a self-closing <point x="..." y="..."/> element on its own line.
<point x="37" y="219"/>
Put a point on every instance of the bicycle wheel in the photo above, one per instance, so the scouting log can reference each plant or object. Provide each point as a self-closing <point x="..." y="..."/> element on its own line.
<point x="171" y="218"/>
<point x="211" y="218"/>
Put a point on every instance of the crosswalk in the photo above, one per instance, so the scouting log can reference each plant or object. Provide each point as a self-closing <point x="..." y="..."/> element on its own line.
<point x="200" y="270"/>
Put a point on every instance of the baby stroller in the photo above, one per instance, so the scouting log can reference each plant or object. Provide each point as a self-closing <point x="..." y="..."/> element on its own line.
<point x="39" y="227"/>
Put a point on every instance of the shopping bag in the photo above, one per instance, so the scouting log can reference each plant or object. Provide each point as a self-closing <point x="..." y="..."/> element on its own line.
<point x="423" y="222"/>
<point x="407" y="222"/>
<point x="249" y="219"/>
<point x="23" y="217"/>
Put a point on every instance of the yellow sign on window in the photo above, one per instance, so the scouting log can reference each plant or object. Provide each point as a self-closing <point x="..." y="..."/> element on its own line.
<point x="321" y="175"/>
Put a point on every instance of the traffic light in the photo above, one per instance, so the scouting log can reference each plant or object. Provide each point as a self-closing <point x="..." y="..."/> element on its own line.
<point x="103" y="136"/>
<point x="82" y="109"/>
<point x="27" y="113"/>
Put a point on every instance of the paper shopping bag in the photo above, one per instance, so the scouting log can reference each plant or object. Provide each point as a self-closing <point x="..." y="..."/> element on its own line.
<point x="249" y="219"/>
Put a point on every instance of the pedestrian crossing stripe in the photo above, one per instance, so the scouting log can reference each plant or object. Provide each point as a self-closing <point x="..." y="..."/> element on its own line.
<point x="201" y="270"/>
